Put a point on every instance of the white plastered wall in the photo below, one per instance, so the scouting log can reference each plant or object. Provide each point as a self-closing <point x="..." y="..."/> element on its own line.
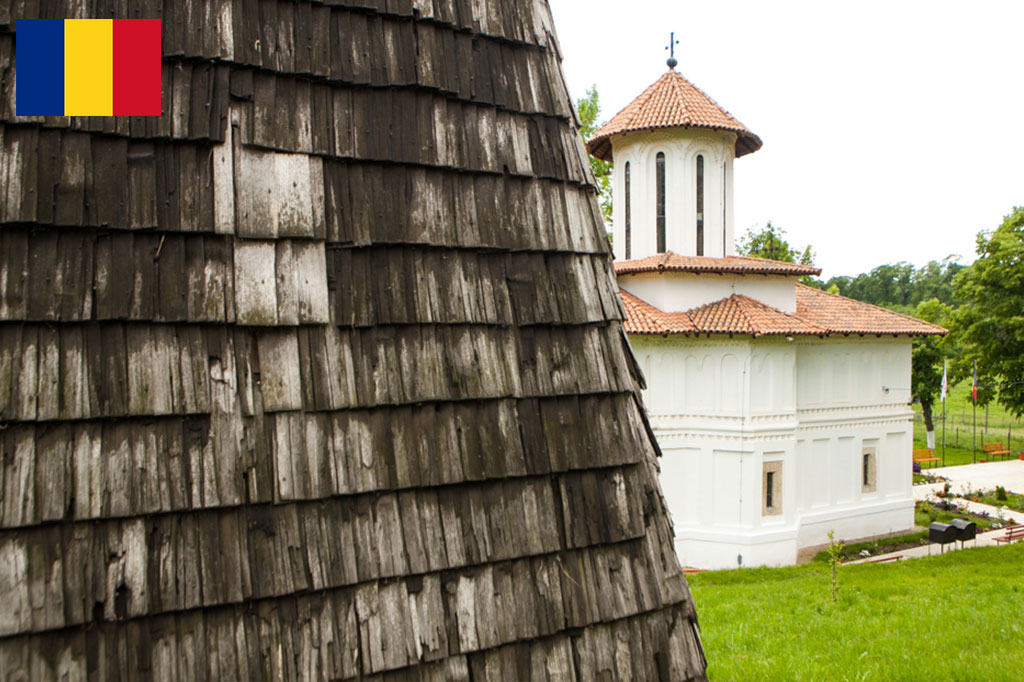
<point x="681" y="147"/>
<point x="723" y="407"/>
<point x="682" y="291"/>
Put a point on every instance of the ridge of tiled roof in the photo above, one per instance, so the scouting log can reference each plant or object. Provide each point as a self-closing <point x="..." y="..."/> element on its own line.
<point x="741" y="314"/>
<point x="737" y="314"/>
<point x="818" y="314"/>
<point x="842" y="315"/>
<point x="671" y="102"/>
<point x="741" y="265"/>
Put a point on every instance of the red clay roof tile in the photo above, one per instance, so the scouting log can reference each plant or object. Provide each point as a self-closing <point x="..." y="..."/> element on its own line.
<point x="841" y="315"/>
<point x="742" y="265"/>
<point x="671" y="102"/>
<point x="818" y="314"/>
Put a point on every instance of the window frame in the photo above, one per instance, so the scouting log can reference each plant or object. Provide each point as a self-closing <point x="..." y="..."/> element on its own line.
<point x="869" y="469"/>
<point x="699" y="171"/>
<point x="771" y="473"/>
<point x="659" y="207"/>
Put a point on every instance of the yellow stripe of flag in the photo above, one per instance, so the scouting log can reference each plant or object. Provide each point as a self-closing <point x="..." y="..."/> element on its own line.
<point x="88" y="67"/>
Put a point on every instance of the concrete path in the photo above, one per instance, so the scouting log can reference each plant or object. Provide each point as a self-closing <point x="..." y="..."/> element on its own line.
<point x="1009" y="474"/>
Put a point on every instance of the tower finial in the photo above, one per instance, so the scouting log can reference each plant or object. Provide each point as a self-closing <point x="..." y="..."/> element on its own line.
<point x="672" y="42"/>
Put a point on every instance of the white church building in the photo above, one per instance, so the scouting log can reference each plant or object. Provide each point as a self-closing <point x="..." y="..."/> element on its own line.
<point x="782" y="411"/>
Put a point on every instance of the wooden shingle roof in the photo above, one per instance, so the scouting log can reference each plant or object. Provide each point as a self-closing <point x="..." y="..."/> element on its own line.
<point x="671" y="102"/>
<point x="321" y="373"/>
<point x="818" y="313"/>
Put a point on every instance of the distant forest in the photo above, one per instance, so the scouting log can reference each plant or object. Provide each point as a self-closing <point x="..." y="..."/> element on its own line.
<point x="900" y="286"/>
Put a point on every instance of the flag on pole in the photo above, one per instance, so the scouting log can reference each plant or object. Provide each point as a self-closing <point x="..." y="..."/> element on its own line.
<point x="945" y="386"/>
<point x="974" y="383"/>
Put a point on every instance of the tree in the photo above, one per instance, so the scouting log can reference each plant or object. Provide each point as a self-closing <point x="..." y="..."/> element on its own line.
<point x="927" y="360"/>
<point x="769" y="242"/>
<point x="991" y="321"/>
<point x="902" y="287"/>
<point x="588" y="109"/>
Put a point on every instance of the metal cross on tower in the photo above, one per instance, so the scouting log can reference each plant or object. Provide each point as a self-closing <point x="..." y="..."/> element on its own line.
<point x="671" y="47"/>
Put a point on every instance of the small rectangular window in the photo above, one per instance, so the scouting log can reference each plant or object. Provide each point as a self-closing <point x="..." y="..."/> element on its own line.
<point x="868" y="470"/>
<point x="772" y="493"/>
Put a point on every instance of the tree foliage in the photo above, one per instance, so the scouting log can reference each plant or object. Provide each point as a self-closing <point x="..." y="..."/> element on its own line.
<point x="927" y="357"/>
<point x="589" y="109"/>
<point x="901" y="286"/>
<point x="770" y="242"/>
<point x="990" y="324"/>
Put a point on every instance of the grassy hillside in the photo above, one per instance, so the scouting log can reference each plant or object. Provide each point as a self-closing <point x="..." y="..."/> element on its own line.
<point x="999" y="426"/>
<point x="954" y="617"/>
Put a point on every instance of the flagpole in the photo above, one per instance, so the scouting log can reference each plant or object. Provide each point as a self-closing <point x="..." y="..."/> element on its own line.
<point x="944" y="388"/>
<point x="974" y="415"/>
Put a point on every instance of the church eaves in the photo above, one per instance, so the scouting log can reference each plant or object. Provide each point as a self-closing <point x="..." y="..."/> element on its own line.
<point x="321" y="374"/>
<point x="671" y="102"/>
<point x="736" y="265"/>
<point x="817" y="314"/>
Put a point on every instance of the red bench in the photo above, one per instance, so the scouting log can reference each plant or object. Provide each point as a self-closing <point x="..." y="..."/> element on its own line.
<point x="995" y="450"/>
<point x="922" y="456"/>
<point x="1012" y="534"/>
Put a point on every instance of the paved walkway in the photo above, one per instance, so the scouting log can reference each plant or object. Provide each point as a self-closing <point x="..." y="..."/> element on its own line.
<point x="1009" y="474"/>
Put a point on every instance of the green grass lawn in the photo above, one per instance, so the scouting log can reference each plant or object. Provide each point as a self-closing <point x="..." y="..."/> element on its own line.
<point x="959" y="616"/>
<point x="1000" y="426"/>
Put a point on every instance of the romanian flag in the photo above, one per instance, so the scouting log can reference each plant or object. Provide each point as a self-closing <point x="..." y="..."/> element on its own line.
<point x="88" y="67"/>
<point x="945" y="385"/>
<point x="974" y="383"/>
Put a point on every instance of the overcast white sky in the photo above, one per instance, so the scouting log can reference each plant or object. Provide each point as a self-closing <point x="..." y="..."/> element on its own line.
<point x="893" y="131"/>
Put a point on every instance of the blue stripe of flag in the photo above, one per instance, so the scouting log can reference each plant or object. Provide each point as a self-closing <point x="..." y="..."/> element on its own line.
<point x="40" y="67"/>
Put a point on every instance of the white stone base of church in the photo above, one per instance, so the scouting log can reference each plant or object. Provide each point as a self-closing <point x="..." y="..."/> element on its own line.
<point x="782" y="547"/>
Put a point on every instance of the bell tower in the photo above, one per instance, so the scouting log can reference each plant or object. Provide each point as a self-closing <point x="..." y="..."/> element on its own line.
<point x="673" y="148"/>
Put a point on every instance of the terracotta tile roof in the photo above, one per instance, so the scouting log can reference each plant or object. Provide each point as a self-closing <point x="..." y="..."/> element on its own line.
<point x="671" y="102"/>
<point x="740" y="314"/>
<point x="643" y="318"/>
<point x="841" y="315"/>
<point x="741" y="265"/>
<point x="818" y="314"/>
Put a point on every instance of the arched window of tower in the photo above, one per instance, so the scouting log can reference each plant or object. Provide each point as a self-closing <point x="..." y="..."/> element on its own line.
<point x="700" y="204"/>
<point x="629" y="232"/>
<point x="660" y="183"/>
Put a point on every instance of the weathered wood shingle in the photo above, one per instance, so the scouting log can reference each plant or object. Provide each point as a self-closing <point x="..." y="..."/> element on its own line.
<point x="321" y="373"/>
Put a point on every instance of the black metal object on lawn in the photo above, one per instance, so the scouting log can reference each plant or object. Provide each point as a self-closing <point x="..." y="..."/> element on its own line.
<point x="942" y="533"/>
<point x="965" y="530"/>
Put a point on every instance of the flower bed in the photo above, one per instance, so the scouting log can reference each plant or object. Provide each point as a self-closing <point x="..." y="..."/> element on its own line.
<point x="946" y="509"/>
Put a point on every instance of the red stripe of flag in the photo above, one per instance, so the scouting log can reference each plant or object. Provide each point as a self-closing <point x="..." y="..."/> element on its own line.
<point x="136" y="67"/>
